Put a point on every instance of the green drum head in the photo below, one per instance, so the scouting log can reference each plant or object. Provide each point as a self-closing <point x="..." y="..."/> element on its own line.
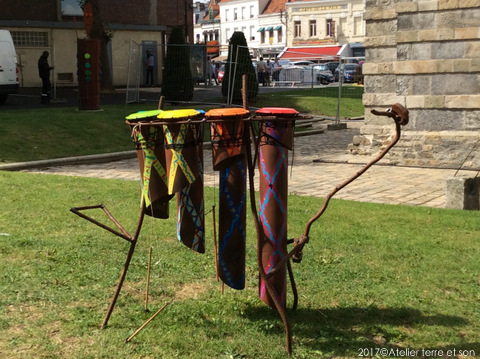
<point x="141" y="115"/>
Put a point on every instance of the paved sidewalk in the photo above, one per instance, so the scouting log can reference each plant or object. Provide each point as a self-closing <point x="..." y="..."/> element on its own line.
<point x="320" y="163"/>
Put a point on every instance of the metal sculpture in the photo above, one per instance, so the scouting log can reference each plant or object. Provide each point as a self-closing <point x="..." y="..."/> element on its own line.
<point x="169" y="152"/>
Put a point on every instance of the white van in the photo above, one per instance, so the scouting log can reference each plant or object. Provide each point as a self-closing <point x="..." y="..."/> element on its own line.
<point x="8" y="66"/>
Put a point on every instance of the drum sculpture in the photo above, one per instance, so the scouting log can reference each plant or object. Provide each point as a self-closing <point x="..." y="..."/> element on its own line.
<point x="228" y="156"/>
<point x="169" y="152"/>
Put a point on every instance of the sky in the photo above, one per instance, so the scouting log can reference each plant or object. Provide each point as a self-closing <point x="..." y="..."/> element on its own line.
<point x="71" y="7"/>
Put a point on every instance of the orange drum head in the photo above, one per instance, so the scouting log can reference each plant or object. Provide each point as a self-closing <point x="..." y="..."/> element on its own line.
<point x="227" y="113"/>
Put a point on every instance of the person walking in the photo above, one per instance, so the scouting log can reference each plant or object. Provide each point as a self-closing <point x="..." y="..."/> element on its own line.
<point x="276" y="70"/>
<point x="150" y="64"/>
<point x="268" y="72"/>
<point x="261" y="68"/>
<point x="213" y="72"/>
<point x="44" y="72"/>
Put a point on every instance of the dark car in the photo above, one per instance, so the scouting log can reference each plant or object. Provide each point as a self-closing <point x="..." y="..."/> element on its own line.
<point x="348" y="71"/>
<point x="332" y="66"/>
<point x="322" y="74"/>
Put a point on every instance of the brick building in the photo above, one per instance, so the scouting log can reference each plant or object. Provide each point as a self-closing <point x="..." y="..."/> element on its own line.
<point x="424" y="54"/>
<point x="51" y="25"/>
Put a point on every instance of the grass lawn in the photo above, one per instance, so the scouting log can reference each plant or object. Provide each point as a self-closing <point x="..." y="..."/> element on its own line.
<point x="373" y="276"/>
<point x="45" y="133"/>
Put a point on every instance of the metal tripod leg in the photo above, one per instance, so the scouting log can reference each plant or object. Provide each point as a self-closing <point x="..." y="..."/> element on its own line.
<point x="123" y="234"/>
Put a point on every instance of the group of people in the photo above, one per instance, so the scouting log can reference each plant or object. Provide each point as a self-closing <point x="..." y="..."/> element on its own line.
<point x="268" y="71"/>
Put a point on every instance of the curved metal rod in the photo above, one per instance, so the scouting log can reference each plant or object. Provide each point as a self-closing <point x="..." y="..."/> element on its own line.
<point x="400" y="115"/>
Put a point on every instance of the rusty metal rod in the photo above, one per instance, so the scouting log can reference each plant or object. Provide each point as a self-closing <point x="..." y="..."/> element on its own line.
<point x="351" y="179"/>
<point x="125" y="267"/>
<point x="77" y="211"/>
<point x="400" y="115"/>
<point x="148" y="278"/>
<point x="145" y="324"/>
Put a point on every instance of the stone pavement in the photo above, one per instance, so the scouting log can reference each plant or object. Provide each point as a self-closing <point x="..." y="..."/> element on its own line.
<point x="320" y="163"/>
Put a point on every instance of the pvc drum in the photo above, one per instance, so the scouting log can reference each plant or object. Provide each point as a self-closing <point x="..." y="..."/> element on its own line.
<point x="148" y="140"/>
<point x="275" y="139"/>
<point x="229" y="159"/>
<point x="183" y="142"/>
<point x="226" y="127"/>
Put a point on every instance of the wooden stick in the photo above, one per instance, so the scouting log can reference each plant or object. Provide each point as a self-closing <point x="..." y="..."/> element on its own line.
<point x="161" y="101"/>
<point x="148" y="278"/>
<point x="145" y="324"/>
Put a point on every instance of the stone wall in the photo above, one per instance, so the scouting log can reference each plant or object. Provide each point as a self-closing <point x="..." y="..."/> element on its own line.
<point x="425" y="55"/>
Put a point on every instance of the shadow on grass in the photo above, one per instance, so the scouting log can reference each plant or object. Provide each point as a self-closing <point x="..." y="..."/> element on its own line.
<point x="346" y="331"/>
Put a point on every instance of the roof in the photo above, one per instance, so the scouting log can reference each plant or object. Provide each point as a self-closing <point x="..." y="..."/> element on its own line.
<point x="275" y="6"/>
<point x="311" y="52"/>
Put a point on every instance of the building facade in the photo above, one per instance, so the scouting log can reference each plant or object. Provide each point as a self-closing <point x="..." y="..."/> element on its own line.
<point x="424" y="55"/>
<point x="55" y="26"/>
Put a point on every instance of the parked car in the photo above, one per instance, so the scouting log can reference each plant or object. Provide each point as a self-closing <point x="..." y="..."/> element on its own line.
<point x="322" y="74"/>
<point x="302" y="63"/>
<point x="8" y="66"/>
<point x="332" y="66"/>
<point x="221" y="73"/>
<point x="348" y="71"/>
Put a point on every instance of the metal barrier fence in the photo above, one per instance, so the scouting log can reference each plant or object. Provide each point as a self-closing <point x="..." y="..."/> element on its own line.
<point x="321" y="76"/>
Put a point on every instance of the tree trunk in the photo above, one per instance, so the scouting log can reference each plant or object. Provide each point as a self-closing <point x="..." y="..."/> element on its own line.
<point x="98" y="32"/>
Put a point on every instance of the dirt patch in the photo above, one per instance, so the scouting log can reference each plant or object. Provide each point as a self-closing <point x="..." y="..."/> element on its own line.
<point x="191" y="291"/>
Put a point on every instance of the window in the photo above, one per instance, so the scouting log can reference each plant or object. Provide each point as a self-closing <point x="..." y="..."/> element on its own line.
<point x="330" y="28"/>
<point x="357" y="26"/>
<point x="252" y="11"/>
<point x="252" y="33"/>
<point x="297" y="25"/>
<point x="342" y="26"/>
<point x="243" y="12"/>
<point x="262" y="37"/>
<point x="270" y="36"/>
<point x="30" y="38"/>
<point x="226" y="14"/>
<point x="313" y="28"/>
<point x="235" y="14"/>
<point x="279" y="35"/>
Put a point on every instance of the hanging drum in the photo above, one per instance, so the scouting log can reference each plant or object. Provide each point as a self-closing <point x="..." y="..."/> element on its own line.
<point x="148" y="139"/>
<point x="183" y="142"/>
<point x="228" y="155"/>
<point x="275" y="139"/>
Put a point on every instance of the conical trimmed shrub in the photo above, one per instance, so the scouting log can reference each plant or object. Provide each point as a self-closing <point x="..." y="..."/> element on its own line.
<point x="239" y="63"/>
<point x="177" y="82"/>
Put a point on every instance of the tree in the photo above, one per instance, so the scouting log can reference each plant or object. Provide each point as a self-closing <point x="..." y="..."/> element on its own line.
<point x="238" y="64"/>
<point x="99" y="32"/>
<point x="177" y="75"/>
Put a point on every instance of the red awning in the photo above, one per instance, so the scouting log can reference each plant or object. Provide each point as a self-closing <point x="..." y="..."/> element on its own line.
<point x="309" y="53"/>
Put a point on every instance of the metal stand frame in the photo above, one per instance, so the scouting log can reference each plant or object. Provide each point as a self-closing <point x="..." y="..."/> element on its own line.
<point x="123" y="234"/>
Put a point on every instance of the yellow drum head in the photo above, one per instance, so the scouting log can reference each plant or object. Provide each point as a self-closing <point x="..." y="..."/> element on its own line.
<point x="178" y="114"/>
<point x="141" y="115"/>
